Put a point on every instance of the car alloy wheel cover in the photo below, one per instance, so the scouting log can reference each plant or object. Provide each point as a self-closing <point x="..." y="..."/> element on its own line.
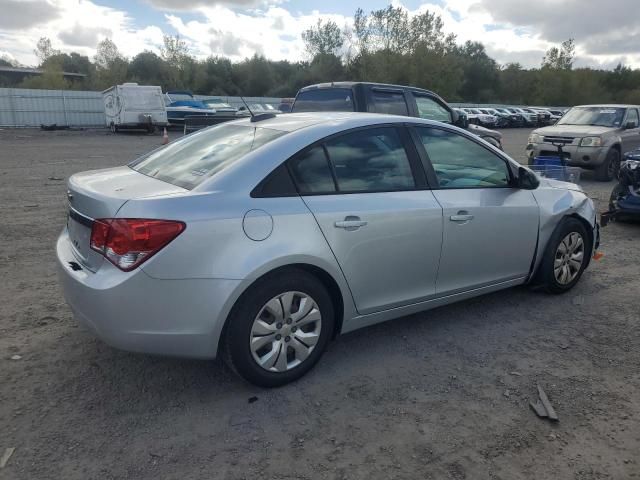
<point x="285" y="331"/>
<point x="568" y="258"/>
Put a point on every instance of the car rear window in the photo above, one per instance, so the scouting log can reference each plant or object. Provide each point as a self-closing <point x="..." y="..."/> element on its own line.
<point x="324" y="100"/>
<point x="196" y="157"/>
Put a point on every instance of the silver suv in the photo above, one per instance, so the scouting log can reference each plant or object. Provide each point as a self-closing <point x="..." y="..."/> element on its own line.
<point x="593" y="137"/>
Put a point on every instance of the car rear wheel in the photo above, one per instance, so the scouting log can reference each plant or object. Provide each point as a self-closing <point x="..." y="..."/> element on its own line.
<point x="566" y="256"/>
<point x="279" y="328"/>
<point x="609" y="168"/>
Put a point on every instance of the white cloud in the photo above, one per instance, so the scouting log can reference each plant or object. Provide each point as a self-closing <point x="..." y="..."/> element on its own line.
<point x="77" y="25"/>
<point x="274" y="32"/>
<point x="240" y="28"/>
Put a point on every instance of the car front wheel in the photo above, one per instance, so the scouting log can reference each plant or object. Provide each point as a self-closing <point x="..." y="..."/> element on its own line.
<point x="609" y="168"/>
<point x="279" y="328"/>
<point x="566" y="256"/>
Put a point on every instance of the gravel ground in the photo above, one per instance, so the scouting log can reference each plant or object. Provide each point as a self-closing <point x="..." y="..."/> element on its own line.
<point x="437" y="395"/>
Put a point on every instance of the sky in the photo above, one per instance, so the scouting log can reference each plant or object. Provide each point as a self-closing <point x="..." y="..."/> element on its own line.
<point x="606" y="33"/>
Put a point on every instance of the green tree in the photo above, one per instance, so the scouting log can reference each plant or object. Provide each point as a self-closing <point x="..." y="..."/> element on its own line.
<point x="147" y="68"/>
<point x="323" y="39"/>
<point x="181" y="65"/>
<point x="560" y="58"/>
<point x="480" y="73"/>
<point x="44" y="50"/>
<point x="51" y="78"/>
<point x="111" y="65"/>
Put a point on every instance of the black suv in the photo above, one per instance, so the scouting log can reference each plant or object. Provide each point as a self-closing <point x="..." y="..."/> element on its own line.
<point x="383" y="98"/>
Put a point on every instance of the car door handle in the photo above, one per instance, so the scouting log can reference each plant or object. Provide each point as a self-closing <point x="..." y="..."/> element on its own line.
<point x="350" y="223"/>
<point x="462" y="217"/>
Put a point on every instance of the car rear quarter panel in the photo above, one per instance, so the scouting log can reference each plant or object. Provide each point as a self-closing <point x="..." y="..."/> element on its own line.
<point x="215" y="246"/>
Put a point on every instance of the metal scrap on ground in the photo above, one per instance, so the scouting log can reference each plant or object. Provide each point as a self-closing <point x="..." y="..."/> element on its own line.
<point x="6" y="456"/>
<point x="543" y="407"/>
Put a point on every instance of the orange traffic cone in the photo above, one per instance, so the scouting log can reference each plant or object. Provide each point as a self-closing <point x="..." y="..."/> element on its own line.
<point x="165" y="137"/>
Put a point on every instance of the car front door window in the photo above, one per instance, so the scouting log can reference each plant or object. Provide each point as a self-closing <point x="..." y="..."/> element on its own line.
<point x="462" y="163"/>
<point x="432" y="110"/>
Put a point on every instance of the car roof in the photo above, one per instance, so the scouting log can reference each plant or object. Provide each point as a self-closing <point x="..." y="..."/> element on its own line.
<point x="290" y="122"/>
<point x="372" y="84"/>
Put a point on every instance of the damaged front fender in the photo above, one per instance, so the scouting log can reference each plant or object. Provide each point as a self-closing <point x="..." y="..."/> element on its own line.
<point x="556" y="201"/>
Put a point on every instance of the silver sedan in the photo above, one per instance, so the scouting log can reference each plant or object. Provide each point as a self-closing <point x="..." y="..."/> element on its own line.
<point x="264" y="238"/>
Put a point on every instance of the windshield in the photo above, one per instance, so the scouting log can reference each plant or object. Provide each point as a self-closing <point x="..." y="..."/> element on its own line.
<point x="196" y="157"/>
<point x="596" y="116"/>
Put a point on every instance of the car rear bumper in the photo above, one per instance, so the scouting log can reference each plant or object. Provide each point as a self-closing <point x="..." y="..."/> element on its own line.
<point x="135" y="312"/>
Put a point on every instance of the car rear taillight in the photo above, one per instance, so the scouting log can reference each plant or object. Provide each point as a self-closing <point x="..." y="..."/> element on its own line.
<point x="128" y="242"/>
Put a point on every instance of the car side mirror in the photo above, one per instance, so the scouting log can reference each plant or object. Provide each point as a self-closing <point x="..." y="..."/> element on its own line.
<point x="630" y="125"/>
<point x="527" y="180"/>
<point x="459" y="120"/>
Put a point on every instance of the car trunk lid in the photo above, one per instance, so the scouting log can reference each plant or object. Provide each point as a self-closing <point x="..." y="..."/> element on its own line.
<point x="100" y="194"/>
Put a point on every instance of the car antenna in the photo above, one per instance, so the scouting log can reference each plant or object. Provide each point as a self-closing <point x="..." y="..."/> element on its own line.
<point x="245" y="104"/>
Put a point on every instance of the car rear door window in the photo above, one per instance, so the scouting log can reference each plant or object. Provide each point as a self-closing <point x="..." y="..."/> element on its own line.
<point x="430" y="109"/>
<point x="311" y="172"/>
<point x="370" y="160"/>
<point x="324" y="100"/>
<point x="462" y="163"/>
<point x="388" y="101"/>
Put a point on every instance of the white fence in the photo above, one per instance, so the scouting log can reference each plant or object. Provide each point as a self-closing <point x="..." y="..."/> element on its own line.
<point x="21" y="107"/>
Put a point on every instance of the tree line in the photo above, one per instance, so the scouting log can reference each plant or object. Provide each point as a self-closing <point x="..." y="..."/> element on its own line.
<point x="385" y="45"/>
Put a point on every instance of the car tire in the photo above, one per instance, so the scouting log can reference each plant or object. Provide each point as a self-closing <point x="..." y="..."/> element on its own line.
<point x="609" y="168"/>
<point x="559" y="271"/>
<point x="252" y="319"/>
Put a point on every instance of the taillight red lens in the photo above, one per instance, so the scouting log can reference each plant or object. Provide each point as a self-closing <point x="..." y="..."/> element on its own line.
<point x="128" y="242"/>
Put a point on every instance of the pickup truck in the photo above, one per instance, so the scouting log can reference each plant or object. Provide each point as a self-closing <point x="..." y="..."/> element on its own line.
<point x="384" y="98"/>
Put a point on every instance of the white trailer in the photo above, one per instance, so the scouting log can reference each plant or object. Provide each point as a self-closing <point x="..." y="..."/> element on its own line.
<point x="134" y="106"/>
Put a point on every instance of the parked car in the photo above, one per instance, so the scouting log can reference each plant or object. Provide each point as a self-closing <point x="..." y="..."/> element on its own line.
<point x="515" y="119"/>
<point x="502" y="119"/>
<point x="383" y="98"/>
<point x="262" y="238"/>
<point x="594" y="137"/>
<point x="544" y="117"/>
<point x="624" y="202"/>
<point x="530" y="119"/>
<point x="556" y="115"/>
<point x="483" y="119"/>
<point x="472" y="117"/>
<point x="181" y="104"/>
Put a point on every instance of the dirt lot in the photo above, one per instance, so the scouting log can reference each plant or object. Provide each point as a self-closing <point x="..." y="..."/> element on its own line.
<point x="438" y="395"/>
